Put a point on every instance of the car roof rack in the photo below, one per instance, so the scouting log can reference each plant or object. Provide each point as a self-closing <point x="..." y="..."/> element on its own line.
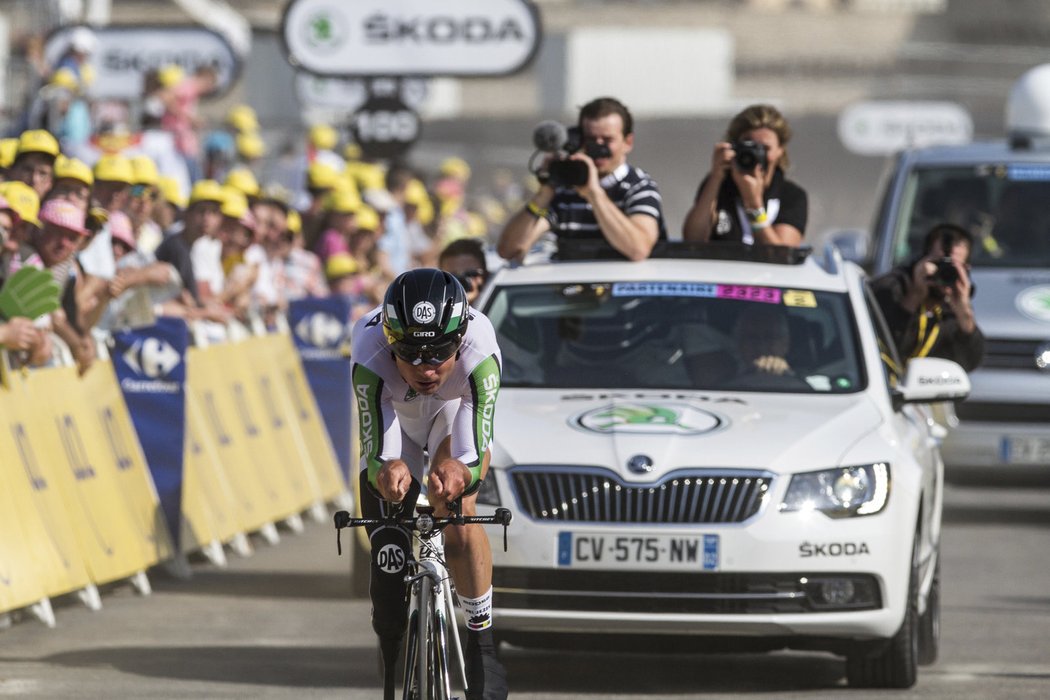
<point x="577" y="251"/>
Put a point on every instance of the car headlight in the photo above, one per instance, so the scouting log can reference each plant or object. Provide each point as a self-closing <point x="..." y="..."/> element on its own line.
<point x="842" y="492"/>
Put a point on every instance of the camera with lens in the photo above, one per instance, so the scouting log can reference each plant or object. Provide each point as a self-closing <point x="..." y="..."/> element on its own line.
<point x="749" y="155"/>
<point x="946" y="274"/>
<point x="562" y="171"/>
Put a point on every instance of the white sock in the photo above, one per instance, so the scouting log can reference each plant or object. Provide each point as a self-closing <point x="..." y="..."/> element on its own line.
<point x="477" y="611"/>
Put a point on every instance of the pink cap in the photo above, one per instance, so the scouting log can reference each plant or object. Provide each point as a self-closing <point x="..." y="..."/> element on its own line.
<point x="5" y="206"/>
<point x="120" y="229"/>
<point x="61" y="212"/>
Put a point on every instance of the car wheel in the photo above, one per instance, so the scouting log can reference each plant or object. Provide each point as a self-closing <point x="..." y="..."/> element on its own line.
<point x="895" y="663"/>
<point x="930" y="622"/>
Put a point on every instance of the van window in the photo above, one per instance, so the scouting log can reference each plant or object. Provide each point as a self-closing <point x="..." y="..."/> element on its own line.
<point x="1004" y="206"/>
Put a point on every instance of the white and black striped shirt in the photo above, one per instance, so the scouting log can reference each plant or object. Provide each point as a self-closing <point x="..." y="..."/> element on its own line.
<point x="630" y="189"/>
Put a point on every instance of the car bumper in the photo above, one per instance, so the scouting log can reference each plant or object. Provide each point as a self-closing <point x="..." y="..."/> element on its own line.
<point x="762" y="585"/>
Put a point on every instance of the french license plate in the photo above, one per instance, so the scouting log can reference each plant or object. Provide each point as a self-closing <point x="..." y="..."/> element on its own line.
<point x="1024" y="450"/>
<point x="590" y="550"/>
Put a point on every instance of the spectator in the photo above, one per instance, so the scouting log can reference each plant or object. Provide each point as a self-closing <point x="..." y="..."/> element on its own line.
<point x="339" y="221"/>
<point x="73" y="182"/>
<point x="619" y="203"/>
<point x="22" y="201"/>
<point x="9" y="221"/>
<point x="746" y="197"/>
<point x="220" y="145"/>
<point x="181" y="97"/>
<point x="321" y="142"/>
<point x="203" y="218"/>
<point x="762" y="340"/>
<point x="35" y="160"/>
<point x="347" y="279"/>
<point x="167" y="212"/>
<point x="8" y="150"/>
<point x="243" y="179"/>
<point x="926" y="303"/>
<point x="143" y="199"/>
<point x="465" y="259"/>
<point x="321" y="179"/>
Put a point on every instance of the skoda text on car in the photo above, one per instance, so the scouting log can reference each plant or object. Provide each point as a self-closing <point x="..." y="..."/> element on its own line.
<point x="715" y="448"/>
<point x="998" y="190"/>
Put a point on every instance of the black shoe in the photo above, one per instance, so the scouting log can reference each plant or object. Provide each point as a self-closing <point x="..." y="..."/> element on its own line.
<point x="486" y="677"/>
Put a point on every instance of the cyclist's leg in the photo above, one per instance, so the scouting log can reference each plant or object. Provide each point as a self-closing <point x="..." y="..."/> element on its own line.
<point x="391" y="547"/>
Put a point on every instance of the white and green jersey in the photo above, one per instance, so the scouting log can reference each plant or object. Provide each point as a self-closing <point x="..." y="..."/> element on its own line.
<point x="396" y="422"/>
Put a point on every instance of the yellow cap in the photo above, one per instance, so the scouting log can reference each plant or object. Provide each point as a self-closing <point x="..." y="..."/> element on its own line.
<point x="321" y="176"/>
<point x="64" y="78"/>
<point x="342" y="202"/>
<point x="8" y="149"/>
<point x="416" y="192"/>
<point x="340" y="265"/>
<point x="367" y="218"/>
<point x="170" y="75"/>
<point x="207" y="191"/>
<point x="455" y="167"/>
<point x="352" y="151"/>
<point x="73" y="169"/>
<point x="244" y="180"/>
<point x="294" y="222"/>
<point x="37" y="141"/>
<point x="323" y="137"/>
<point x="476" y="226"/>
<point x="170" y="190"/>
<point x="144" y="170"/>
<point x="250" y="145"/>
<point x="242" y="118"/>
<point x="22" y="199"/>
<point x="369" y="176"/>
<point x="234" y="203"/>
<point x="114" y="167"/>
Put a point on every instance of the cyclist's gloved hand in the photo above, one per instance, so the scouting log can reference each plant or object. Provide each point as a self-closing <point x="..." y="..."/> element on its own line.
<point x="448" y="480"/>
<point x="393" y="481"/>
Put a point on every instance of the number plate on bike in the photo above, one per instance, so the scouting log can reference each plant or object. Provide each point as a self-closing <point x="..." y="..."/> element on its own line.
<point x="591" y="550"/>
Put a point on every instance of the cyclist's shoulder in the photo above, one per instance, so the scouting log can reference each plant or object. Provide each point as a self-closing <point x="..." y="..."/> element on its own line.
<point x="480" y="338"/>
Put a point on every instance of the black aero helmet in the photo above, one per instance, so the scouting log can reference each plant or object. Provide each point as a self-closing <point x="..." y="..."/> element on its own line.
<point x="425" y="314"/>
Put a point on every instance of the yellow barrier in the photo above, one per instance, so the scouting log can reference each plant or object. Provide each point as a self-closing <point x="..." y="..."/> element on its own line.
<point x="77" y="503"/>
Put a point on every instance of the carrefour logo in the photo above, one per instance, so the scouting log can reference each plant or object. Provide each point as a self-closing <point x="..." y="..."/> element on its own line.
<point x="322" y="330"/>
<point x="664" y="418"/>
<point x="152" y="357"/>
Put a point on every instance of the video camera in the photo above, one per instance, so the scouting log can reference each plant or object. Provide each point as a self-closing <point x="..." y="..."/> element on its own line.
<point x="555" y="138"/>
<point x="749" y="155"/>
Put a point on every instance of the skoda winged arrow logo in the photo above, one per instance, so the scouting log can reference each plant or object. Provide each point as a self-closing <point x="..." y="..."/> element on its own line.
<point x="666" y="418"/>
<point x="320" y="329"/>
<point x="152" y="357"/>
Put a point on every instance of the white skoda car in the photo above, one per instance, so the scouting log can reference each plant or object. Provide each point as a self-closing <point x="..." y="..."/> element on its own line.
<point x="716" y="448"/>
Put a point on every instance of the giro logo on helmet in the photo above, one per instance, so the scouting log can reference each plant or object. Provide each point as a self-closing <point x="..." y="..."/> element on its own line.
<point x="423" y="312"/>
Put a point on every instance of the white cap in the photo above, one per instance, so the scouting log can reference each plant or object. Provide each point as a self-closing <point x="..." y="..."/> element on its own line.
<point x="1028" y="107"/>
<point x="83" y="40"/>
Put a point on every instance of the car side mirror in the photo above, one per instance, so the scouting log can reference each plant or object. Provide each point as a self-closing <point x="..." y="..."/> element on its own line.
<point x="932" y="380"/>
<point x="852" y="244"/>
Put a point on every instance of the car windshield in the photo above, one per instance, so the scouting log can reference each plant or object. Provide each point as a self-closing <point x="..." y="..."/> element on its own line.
<point x="1002" y="205"/>
<point x="676" y="335"/>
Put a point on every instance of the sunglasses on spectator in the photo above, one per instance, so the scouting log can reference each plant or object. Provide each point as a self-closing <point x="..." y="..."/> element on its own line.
<point x="435" y="354"/>
<point x="142" y="191"/>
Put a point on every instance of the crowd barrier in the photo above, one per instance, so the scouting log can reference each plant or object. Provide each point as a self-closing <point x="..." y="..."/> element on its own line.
<point x="160" y="450"/>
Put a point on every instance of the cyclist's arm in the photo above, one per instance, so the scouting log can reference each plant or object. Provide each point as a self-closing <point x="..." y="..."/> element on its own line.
<point x="472" y="428"/>
<point x="377" y="422"/>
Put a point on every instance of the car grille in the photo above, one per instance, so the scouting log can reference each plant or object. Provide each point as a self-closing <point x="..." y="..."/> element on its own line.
<point x="1010" y="354"/>
<point x="675" y="593"/>
<point x="600" y="496"/>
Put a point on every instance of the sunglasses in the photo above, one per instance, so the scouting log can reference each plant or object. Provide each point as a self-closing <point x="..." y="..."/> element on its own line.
<point x="434" y="354"/>
<point x="142" y="191"/>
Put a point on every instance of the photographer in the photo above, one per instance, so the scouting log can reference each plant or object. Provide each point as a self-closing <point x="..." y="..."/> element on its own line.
<point x="746" y="197"/>
<point x="613" y="201"/>
<point x="465" y="259"/>
<point x="927" y="303"/>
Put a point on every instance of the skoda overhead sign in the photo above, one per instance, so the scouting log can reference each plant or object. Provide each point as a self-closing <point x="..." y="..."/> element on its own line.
<point x="410" y="37"/>
<point x="126" y="53"/>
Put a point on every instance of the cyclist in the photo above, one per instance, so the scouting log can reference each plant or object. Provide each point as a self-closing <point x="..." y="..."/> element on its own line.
<point x="426" y="372"/>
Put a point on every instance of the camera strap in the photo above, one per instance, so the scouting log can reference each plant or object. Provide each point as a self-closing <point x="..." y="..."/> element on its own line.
<point x="928" y="333"/>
